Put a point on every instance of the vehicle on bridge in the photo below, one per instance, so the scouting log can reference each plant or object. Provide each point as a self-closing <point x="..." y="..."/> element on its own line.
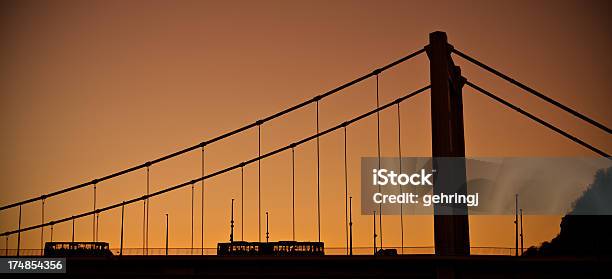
<point x="386" y="252"/>
<point x="77" y="249"/>
<point x="280" y="248"/>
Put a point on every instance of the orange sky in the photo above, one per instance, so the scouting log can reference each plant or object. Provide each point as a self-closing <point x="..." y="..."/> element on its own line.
<point x="93" y="87"/>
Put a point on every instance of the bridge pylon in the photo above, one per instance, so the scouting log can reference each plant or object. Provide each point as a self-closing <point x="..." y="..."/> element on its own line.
<point x="451" y="228"/>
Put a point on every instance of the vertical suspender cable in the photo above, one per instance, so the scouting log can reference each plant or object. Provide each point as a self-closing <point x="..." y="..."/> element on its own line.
<point x="259" y="178"/>
<point x="232" y="223"/>
<point x="374" y="219"/>
<point x="42" y="229"/>
<point x="6" y="246"/>
<point x="93" y="223"/>
<point x="192" y="206"/>
<point x="378" y="148"/>
<point x="202" y="200"/>
<point x="521" y="212"/>
<point x="122" y="217"/>
<point x="72" y="228"/>
<point x="242" y="202"/>
<point x="293" y="191"/>
<point x="346" y="195"/>
<point x="19" y="234"/>
<point x="318" y="179"/>
<point x="516" y="224"/>
<point x="399" y="151"/>
<point x="147" y="225"/>
<point x="97" y="225"/>
<point x="167" y="225"/>
<point x="144" y="198"/>
<point x="144" y="225"/>
<point x="351" y="226"/>
<point x="51" y="236"/>
<point x="267" y="231"/>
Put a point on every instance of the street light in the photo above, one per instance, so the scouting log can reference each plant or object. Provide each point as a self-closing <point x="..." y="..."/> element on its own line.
<point x="166" y="234"/>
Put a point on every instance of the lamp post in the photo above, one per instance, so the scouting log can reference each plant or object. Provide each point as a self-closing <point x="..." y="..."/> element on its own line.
<point x="232" y="223"/>
<point x="166" y="234"/>
<point x="267" y="231"/>
<point x="374" y="232"/>
<point x="351" y="226"/>
<point x="122" y="215"/>
<point x="516" y="224"/>
<point x="521" y="231"/>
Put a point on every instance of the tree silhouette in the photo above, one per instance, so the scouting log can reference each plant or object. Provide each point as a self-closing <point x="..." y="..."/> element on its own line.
<point x="587" y="229"/>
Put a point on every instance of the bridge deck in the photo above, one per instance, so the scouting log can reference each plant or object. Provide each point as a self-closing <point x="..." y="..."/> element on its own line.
<point x="409" y="266"/>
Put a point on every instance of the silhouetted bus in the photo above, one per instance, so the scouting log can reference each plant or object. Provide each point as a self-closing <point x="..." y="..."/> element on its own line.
<point x="77" y="249"/>
<point x="281" y="248"/>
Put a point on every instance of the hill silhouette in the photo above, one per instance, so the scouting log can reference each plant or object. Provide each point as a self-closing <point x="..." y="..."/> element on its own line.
<point x="582" y="233"/>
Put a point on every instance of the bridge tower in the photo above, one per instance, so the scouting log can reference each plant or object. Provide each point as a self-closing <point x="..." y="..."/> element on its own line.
<point x="451" y="228"/>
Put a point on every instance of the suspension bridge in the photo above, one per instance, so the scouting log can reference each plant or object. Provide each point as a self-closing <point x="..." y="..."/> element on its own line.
<point x="451" y="232"/>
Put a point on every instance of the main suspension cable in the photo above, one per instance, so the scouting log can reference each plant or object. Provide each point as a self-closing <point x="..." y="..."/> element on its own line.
<point x="534" y="92"/>
<point x="534" y="118"/>
<point x="222" y="171"/>
<point x="225" y="135"/>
